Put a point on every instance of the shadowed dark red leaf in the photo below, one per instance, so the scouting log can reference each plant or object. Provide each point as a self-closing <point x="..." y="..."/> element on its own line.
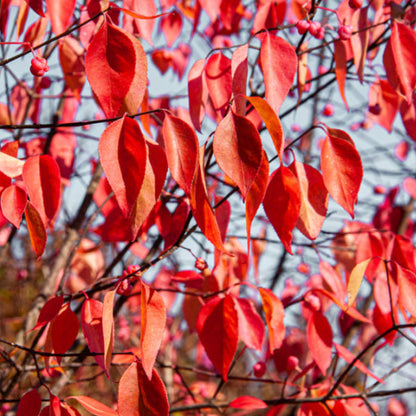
<point x="37" y="6"/>
<point x="238" y="150"/>
<point x="29" y="404"/>
<point x="123" y="155"/>
<point x="217" y="327"/>
<point x="282" y="203"/>
<point x="36" y="228"/>
<point x="13" y="204"/>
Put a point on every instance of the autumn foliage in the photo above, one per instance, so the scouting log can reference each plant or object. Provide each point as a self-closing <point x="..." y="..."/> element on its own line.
<point x="206" y="207"/>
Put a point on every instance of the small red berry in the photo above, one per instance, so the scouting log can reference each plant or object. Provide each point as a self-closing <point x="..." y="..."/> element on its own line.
<point x="259" y="369"/>
<point x="345" y="32"/>
<point x="380" y="190"/>
<point x="200" y="264"/>
<point x="124" y="287"/>
<point x="38" y="66"/>
<point x="321" y="33"/>
<point x="292" y="363"/>
<point x="45" y="83"/>
<point x="322" y="70"/>
<point x="355" y="4"/>
<point x="314" y="28"/>
<point x="375" y="109"/>
<point x="328" y="110"/>
<point x="302" y="26"/>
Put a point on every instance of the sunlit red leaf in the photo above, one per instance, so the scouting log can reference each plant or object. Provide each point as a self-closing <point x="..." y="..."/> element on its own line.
<point x="181" y="145"/>
<point x="108" y="328"/>
<point x="400" y="60"/>
<point x="279" y="64"/>
<point x="49" y="310"/>
<point x="94" y="406"/>
<point x="197" y="93"/>
<point x="10" y="166"/>
<point x="238" y="150"/>
<point x="171" y="25"/>
<point x="43" y="184"/>
<point x="138" y="395"/>
<point x="250" y="324"/>
<point x="60" y="13"/>
<point x="36" y="228"/>
<point x="217" y="327"/>
<point x="341" y="169"/>
<point x="314" y="199"/>
<point x="152" y="326"/>
<point x="248" y="402"/>
<point x="319" y="338"/>
<point x="13" y="204"/>
<point x="282" y="203"/>
<point x="29" y="404"/>
<point x="123" y="155"/>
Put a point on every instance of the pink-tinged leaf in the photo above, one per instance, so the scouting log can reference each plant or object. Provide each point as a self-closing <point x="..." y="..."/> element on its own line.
<point x="49" y="310"/>
<point x="342" y="169"/>
<point x="171" y="26"/>
<point x="202" y="210"/>
<point x="219" y="82"/>
<point x="108" y="328"/>
<point x="10" y="166"/>
<point x="349" y="357"/>
<point x="123" y="155"/>
<point x="239" y="72"/>
<point x="222" y="216"/>
<point x="238" y="150"/>
<point x="314" y="199"/>
<point x="333" y="280"/>
<point x="60" y="13"/>
<point x="217" y="327"/>
<point x="248" y="402"/>
<point x="319" y="338"/>
<point x="152" y="326"/>
<point x="181" y="145"/>
<point x="408" y="114"/>
<point x="55" y="406"/>
<point x="154" y="179"/>
<point x="36" y="228"/>
<point x="256" y="194"/>
<point x="13" y="204"/>
<point x="92" y="327"/>
<point x="409" y="185"/>
<point x="43" y="184"/>
<point x="278" y="62"/>
<point x="341" y="59"/>
<point x="282" y="203"/>
<point x="250" y="325"/>
<point x="400" y="60"/>
<point x="64" y="329"/>
<point x="197" y="93"/>
<point x="110" y="65"/>
<point x="274" y="314"/>
<point x="29" y="404"/>
<point x="355" y="279"/>
<point x="271" y="121"/>
<point x="383" y="104"/>
<point x="401" y="150"/>
<point x="93" y="406"/>
<point x="138" y="395"/>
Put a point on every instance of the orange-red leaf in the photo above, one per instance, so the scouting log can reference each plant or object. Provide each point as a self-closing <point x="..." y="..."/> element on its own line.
<point x="274" y="313"/>
<point x="248" y="402"/>
<point x="13" y="204"/>
<point x="217" y="327"/>
<point x="108" y="328"/>
<point x="238" y="150"/>
<point x="341" y="168"/>
<point x="94" y="406"/>
<point x="123" y="155"/>
<point x="282" y="204"/>
<point x="36" y="228"/>
<point x="60" y="13"/>
<point x="152" y="326"/>
<point x="138" y="395"/>
<point x="341" y="59"/>
<point x="29" y="404"/>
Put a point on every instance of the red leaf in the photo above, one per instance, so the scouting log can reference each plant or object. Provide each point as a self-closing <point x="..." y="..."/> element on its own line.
<point x="13" y="204"/>
<point x="239" y="72"/>
<point x="341" y="168"/>
<point x="197" y="93"/>
<point x="250" y="324"/>
<point x="406" y="280"/>
<point x="43" y="184"/>
<point x="190" y="278"/>
<point x="138" y="395"/>
<point x="108" y="328"/>
<point x="171" y="26"/>
<point x="274" y="313"/>
<point x="29" y="404"/>
<point x="400" y="60"/>
<point x="282" y="204"/>
<point x="238" y="150"/>
<point x="408" y="114"/>
<point x="49" y="310"/>
<point x="93" y="406"/>
<point x="272" y="122"/>
<point x="314" y="199"/>
<point x="36" y="228"/>
<point x="123" y="154"/>
<point x="115" y="63"/>
<point x="10" y="166"/>
<point x="64" y="330"/>
<point x="279" y="64"/>
<point x="60" y="13"/>
<point x="37" y="6"/>
<point x="219" y="82"/>
<point x="181" y="145"/>
<point x="341" y="59"/>
<point x="248" y="402"/>
<point x="92" y="327"/>
<point x="319" y="338"/>
<point x="152" y="326"/>
<point x="217" y="327"/>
